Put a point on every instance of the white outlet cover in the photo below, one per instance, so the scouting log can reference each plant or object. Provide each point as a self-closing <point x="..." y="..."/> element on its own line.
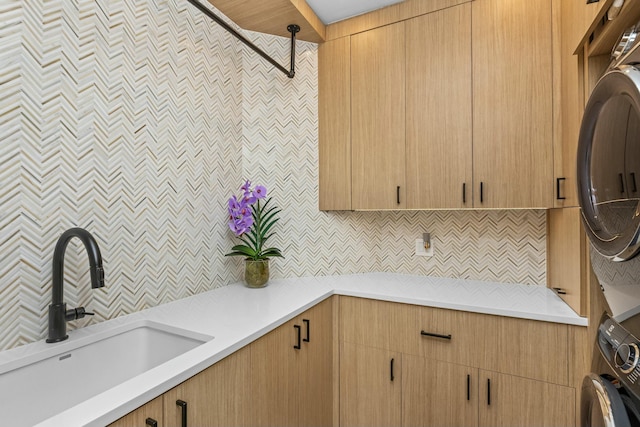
<point x="421" y="251"/>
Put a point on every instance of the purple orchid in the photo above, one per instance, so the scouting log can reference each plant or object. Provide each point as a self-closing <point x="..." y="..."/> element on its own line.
<point x="260" y="192"/>
<point x="252" y="224"/>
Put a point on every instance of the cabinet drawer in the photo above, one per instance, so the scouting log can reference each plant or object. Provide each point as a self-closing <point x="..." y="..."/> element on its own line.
<point x="526" y="348"/>
<point x="449" y="335"/>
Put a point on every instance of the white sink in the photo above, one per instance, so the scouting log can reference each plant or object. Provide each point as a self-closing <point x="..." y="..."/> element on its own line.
<point x="42" y="385"/>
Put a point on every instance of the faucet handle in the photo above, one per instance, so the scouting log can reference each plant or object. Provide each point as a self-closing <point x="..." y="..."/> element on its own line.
<point x="77" y="313"/>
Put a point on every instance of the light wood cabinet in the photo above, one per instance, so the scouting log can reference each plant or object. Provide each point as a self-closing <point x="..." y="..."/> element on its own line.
<point x="218" y="396"/>
<point x="144" y="416"/>
<point x="274" y="367"/>
<point x="508" y="400"/>
<point x="268" y="383"/>
<point x="378" y="118"/>
<point x="370" y="386"/>
<point x="379" y="324"/>
<point x="512" y="104"/>
<point x="415" y="86"/>
<point x="334" y="125"/>
<point x="315" y="378"/>
<point x="438" y="123"/>
<point x="440" y="351"/>
<point x="568" y="263"/>
<point x="437" y="393"/>
<point x="469" y="369"/>
<point x="291" y="371"/>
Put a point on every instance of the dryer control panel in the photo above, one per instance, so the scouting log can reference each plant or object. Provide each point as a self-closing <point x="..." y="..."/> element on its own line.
<point x="622" y="351"/>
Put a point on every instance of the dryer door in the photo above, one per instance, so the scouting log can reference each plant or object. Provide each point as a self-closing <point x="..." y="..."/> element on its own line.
<point x="601" y="405"/>
<point x="609" y="164"/>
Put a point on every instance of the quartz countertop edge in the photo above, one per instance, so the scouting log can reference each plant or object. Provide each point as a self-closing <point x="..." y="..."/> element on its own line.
<point x="236" y="316"/>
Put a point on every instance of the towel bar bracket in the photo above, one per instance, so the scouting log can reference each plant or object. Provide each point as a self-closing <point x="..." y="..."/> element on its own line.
<point x="293" y="29"/>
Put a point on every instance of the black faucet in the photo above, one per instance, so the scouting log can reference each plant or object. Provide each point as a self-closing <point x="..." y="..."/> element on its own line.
<point x="58" y="313"/>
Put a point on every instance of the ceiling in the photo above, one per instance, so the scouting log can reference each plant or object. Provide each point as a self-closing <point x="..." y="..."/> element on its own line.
<point x="330" y="11"/>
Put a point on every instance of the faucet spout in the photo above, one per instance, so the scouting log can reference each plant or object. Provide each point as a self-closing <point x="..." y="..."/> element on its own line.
<point x="58" y="313"/>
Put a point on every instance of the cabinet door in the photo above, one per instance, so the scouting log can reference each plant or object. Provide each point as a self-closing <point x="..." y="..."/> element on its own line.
<point x="334" y="124"/>
<point x="439" y="148"/>
<point x="512" y="104"/>
<point x="218" y="396"/>
<point x="438" y="394"/>
<point x="370" y="386"/>
<point x="315" y="374"/>
<point x="510" y="401"/>
<point x="378" y="118"/>
<point x="274" y="379"/>
<point x="151" y="411"/>
<point x="567" y="257"/>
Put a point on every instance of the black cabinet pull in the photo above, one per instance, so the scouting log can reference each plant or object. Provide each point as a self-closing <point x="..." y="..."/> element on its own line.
<point x="392" y="376"/>
<point x="481" y="192"/>
<point x="560" y="291"/>
<point x="297" y="328"/>
<point x="151" y="422"/>
<point x="488" y="392"/>
<point x="431" y="334"/>
<point x="398" y="194"/>
<point x="306" y="322"/>
<point x="183" y="408"/>
<point x="558" y="180"/>
<point x="468" y="387"/>
<point x="633" y="181"/>
<point x="621" y="182"/>
<point x="464" y="193"/>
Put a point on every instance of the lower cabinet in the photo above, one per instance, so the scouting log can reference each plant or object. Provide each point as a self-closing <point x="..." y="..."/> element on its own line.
<point x="370" y="386"/>
<point x="508" y="400"/>
<point x="292" y="371"/>
<point x="218" y="396"/>
<point x="381" y="388"/>
<point x="399" y="365"/>
<point x="148" y="415"/>
<point x="457" y="368"/>
<point x="284" y="378"/>
<point x="436" y="393"/>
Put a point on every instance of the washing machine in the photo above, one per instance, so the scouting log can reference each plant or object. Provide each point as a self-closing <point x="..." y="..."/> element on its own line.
<point x="609" y="194"/>
<point x="611" y="394"/>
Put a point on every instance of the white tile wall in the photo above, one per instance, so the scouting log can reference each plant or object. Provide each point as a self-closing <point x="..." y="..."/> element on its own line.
<point x="137" y="120"/>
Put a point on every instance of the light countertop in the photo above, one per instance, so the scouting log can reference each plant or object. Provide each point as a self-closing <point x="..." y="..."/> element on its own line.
<point x="236" y="316"/>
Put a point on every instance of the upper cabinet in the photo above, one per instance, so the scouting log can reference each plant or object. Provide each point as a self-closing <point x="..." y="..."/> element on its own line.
<point x="378" y="118"/>
<point x="512" y="104"/>
<point x="438" y="122"/>
<point x="447" y="110"/>
<point x="334" y="124"/>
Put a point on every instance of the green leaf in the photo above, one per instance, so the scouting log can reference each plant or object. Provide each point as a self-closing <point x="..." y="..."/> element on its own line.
<point x="244" y="249"/>
<point x="272" y="252"/>
<point x="264" y="239"/>
<point x="270" y="216"/>
<point x="235" y="253"/>
<point x="249" y="240"/>
<point x="268" y="227"/>
<point x="261" y="209"/>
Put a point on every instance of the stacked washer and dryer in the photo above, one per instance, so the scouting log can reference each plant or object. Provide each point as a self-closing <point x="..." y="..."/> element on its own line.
<point x="609" y="194"/>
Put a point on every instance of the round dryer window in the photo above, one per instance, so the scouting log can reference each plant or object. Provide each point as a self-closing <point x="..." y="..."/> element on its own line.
<point x="609" y="164"/>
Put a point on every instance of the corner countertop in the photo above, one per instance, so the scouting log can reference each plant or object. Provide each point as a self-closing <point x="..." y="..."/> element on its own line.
<point x="236" y="316"/>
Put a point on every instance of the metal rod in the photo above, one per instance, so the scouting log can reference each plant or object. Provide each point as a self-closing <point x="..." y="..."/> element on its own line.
<point x="293" y="29"/>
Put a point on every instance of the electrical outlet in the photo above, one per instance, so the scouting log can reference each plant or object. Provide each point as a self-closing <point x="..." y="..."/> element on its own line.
<point x="421" y="250"/>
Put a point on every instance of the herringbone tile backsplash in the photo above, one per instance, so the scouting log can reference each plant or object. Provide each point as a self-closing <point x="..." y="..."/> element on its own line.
<point x="136" y="120"/>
